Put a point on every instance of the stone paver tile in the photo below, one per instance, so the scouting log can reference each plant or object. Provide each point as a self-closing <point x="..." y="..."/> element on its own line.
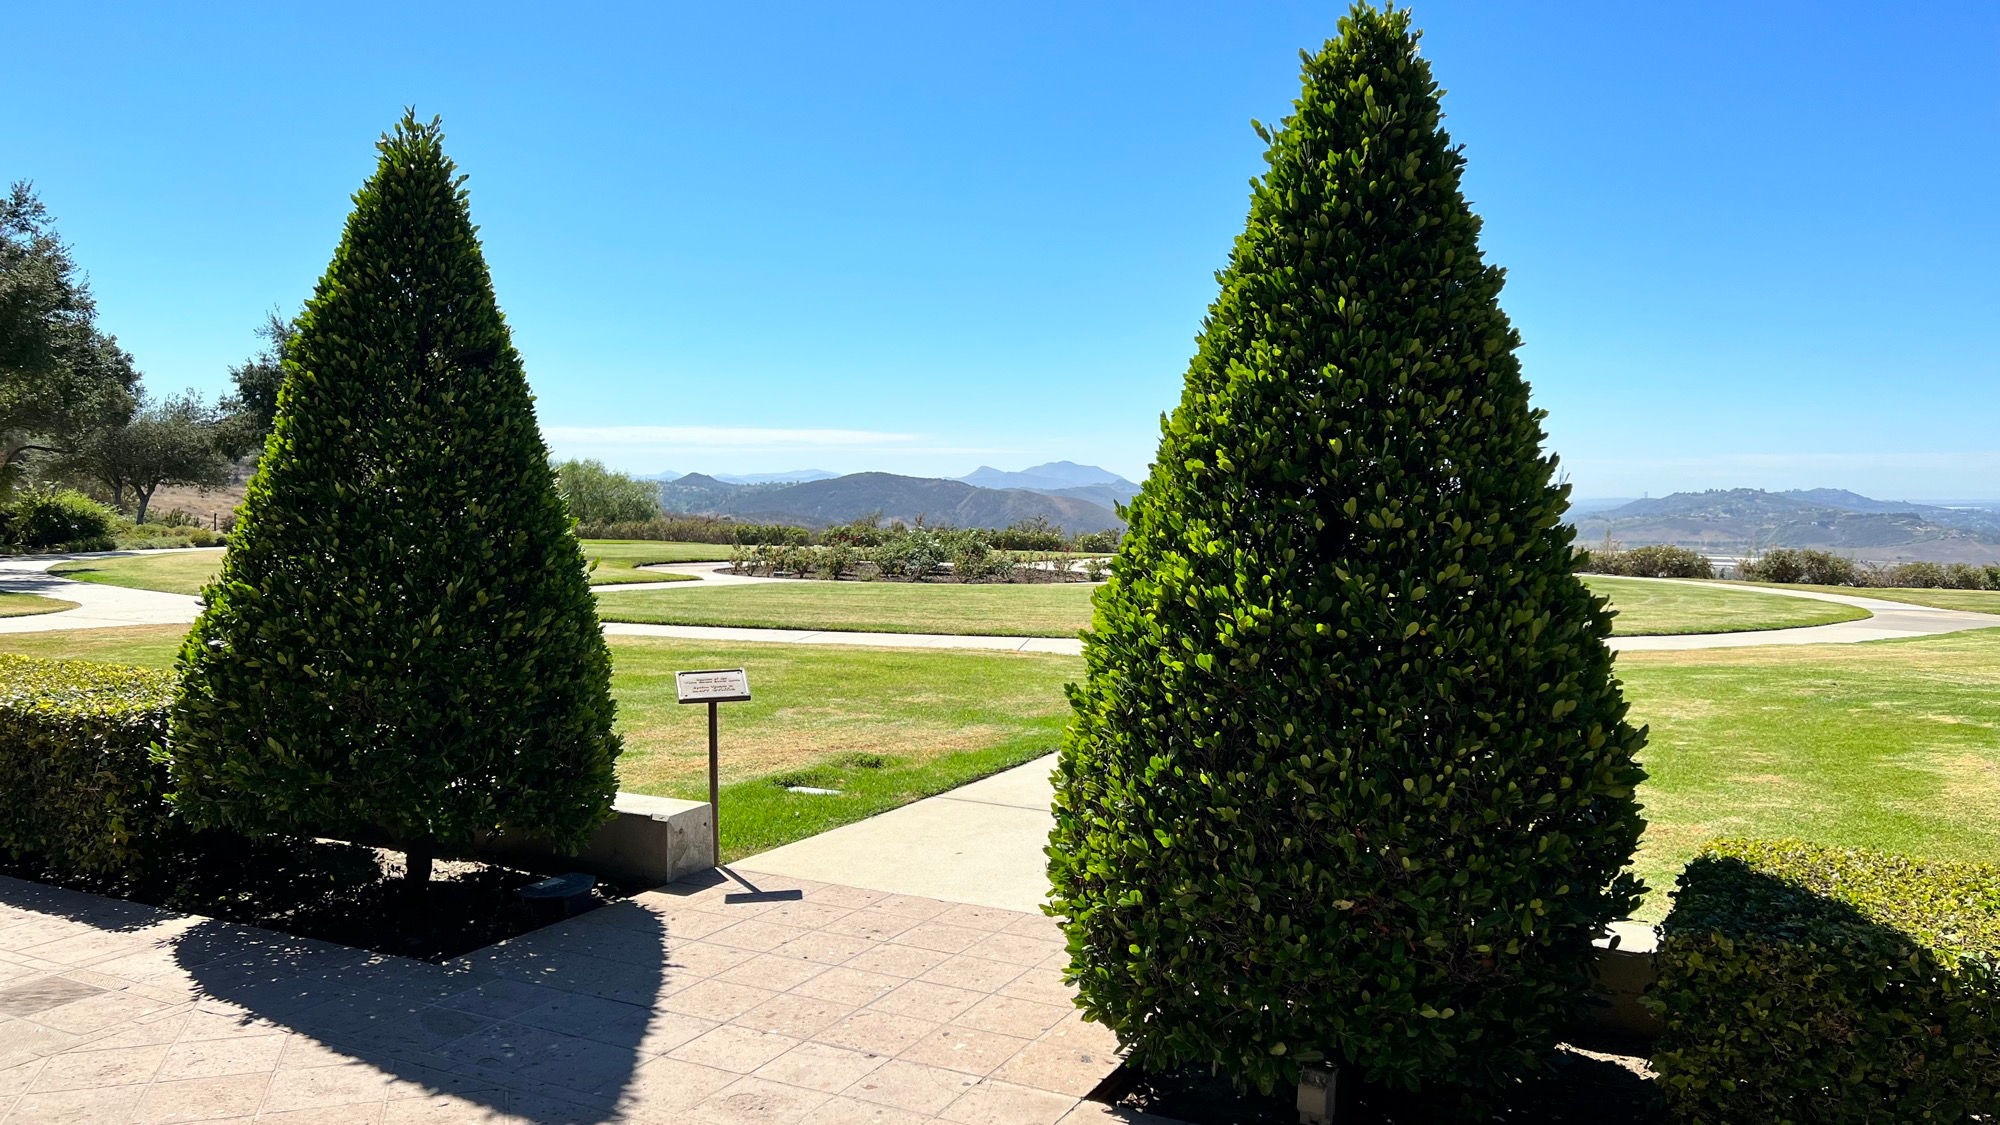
<point x="511" y="1051"/>
<point x="665" y="1088"/>
<point x="360" y="1113"/>
<point x="223" y="1022"/>
<point x="302" y="1052"/>
<point x="819" y="1066"/>
<point x="986" y="918"/>
<point x="883" y="1033"/>
<point x="937" y="935"/>
<point x="848" y="898"/>
<point x="1015" y="949"/>
<point x="911" y="1086"/>
<point x="698" y="959"/>
<point x="34" y="996"/>
<point x="844" y="1110"/>
<point x="376" y="1023"/>
<point x="716" y="1000"/>
<point x="755" y="1101"/>
<point x="766" y="970"/>
<point x="76" y="1107"/>
<point x="912" y="905"/>
<point x="201" y="1099"/>
<point x="17" y="1078"/>
<point x="1098" y="1113"/>
<point x="448" y="1109"/>
<point x="923" y="1000"/>
<point x="162" y="1027"/>
<point x="974" y="973"/>
<point x="756" y="934"/>
<point x="88" y="947"/>
<point x="215" y="1058"/>
<point x="872" y="923"/>
<point x="1043" y="986"/>
<point x="897" y="960"/>
<point x="1036" y="926"/>
<point x="804" y="914"/>
<point x="1024" y="1019"/>
<point x="21" y="1040"/>
<point x="965" y="1048"/>
<point x="671" y="1029"/>
<point x="848" y="986"/>
<point x="1069" y="1059"/>
<point x="501" y="999"/>
<point x="592" y="1017"/>
<point x="1002" y="1103"/>
<point x="794" y="1015"/>
<point x="825" y="948"/>
<point x="688" y="924"/>
<point x="120" y="1066"/>
<point x="732" y="1048"/>
<point x="322" y="1086"/>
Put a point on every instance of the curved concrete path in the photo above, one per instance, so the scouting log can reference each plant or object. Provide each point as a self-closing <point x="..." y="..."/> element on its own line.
<point x="100" y="606"/>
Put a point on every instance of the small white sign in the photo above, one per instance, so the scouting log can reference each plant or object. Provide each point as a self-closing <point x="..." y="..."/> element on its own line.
<point x="717" y="685"/>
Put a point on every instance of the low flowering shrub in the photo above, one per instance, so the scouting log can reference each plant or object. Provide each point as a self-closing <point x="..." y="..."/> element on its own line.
<point x="45" y="518"/>
<point x="79" y="786"/>
<point x="1802" y="983"/>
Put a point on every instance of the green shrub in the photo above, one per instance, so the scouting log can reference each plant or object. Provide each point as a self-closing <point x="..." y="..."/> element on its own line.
<point x="1965" y="576"/>
<point x="1099" y="541"/>
<point x="1801" y="983"/>
<point x="79" y="787"/>
<point x="39" y="519"/>
<point x="1913" y="575"/>
<point x="1818" y="568"/>
<point x="1349" y="776"/>
<point x="402" y="640"/>
<point x="1659" y="561"/>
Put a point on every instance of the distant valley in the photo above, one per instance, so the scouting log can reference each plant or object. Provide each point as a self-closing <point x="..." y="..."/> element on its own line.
<point x="1745" y="521"/>
<point x="1076" y="498"/>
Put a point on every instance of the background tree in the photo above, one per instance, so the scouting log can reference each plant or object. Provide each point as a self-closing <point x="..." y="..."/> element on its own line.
<point x="595" y="494"/>
<point x="401" y="639"/>
<point x="60" y="378"/>
<point x="170" y="442"/>
<point x="248" y="414"/>
<point x="1349" y="776"/>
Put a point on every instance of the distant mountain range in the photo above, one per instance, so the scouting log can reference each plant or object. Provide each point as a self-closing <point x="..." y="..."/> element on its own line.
<point x="1076" y="498"/>
<point x="1741" y="521"/>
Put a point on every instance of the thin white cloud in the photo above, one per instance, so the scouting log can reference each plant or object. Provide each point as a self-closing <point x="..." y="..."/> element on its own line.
<point x="732" y="437"/>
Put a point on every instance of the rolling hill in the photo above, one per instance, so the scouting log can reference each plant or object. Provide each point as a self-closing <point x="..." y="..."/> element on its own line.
<point x="821" y="503"/>
<point x="1743" y="521"/>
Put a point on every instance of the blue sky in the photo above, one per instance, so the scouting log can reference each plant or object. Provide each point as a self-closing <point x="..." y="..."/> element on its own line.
<point x="1747" y="244"/>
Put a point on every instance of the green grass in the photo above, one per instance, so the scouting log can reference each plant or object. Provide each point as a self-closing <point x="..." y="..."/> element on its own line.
<point x="177" y="572"/>
<point x="1975" y="601"/>
<point x="1039" y="609"/>
<point x="1892" y="745"/>
<point x="885" y="726"/>
<point x="27" y="605"/>
<point x="1650" y="608"/>
<point x="1889" y="744"/>
<point x="186" y="572"/>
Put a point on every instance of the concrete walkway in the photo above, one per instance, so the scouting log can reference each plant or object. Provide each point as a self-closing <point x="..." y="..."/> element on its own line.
<point x="754" y="998"/>
<point x="1887" y="620"/>
<point x="980" y="843"/>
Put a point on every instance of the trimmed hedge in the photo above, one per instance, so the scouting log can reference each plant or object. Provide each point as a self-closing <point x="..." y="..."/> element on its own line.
<point x="1657" y="561"/>
<point x="78" y="784"/>
<point x="1801" y="983"/>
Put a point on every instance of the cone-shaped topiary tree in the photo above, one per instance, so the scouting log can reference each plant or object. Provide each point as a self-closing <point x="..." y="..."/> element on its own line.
<point x="1349" y="777"/>
<point x="402" y="639"/>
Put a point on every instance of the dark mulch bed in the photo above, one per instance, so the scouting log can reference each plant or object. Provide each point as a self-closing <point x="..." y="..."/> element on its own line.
<point x="1582" y="1086"/>
<point x="337" y="892"/>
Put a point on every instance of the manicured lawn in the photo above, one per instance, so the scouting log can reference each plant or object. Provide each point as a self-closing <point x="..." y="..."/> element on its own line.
<point x="1650" y="608"/>
<point x="186" y="572"/>
<point x="1889" y="744"/>
<point x="1041" y="609"/>
<point x="617" y="558"/>
<point x="26" y="605"/>
<point x="884" y="726"/>
<point x="1975" y="601"/>
<point x="172" y="572"/>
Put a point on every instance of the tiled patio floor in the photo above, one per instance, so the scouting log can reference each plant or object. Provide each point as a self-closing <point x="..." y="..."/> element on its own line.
<point x="759" y="1000"/>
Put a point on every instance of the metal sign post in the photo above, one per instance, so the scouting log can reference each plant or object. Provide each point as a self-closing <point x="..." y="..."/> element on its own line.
<point x="714" y="686"/>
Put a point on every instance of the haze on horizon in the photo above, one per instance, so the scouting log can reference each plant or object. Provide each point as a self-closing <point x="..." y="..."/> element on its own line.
<point x="919" y="241"/>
